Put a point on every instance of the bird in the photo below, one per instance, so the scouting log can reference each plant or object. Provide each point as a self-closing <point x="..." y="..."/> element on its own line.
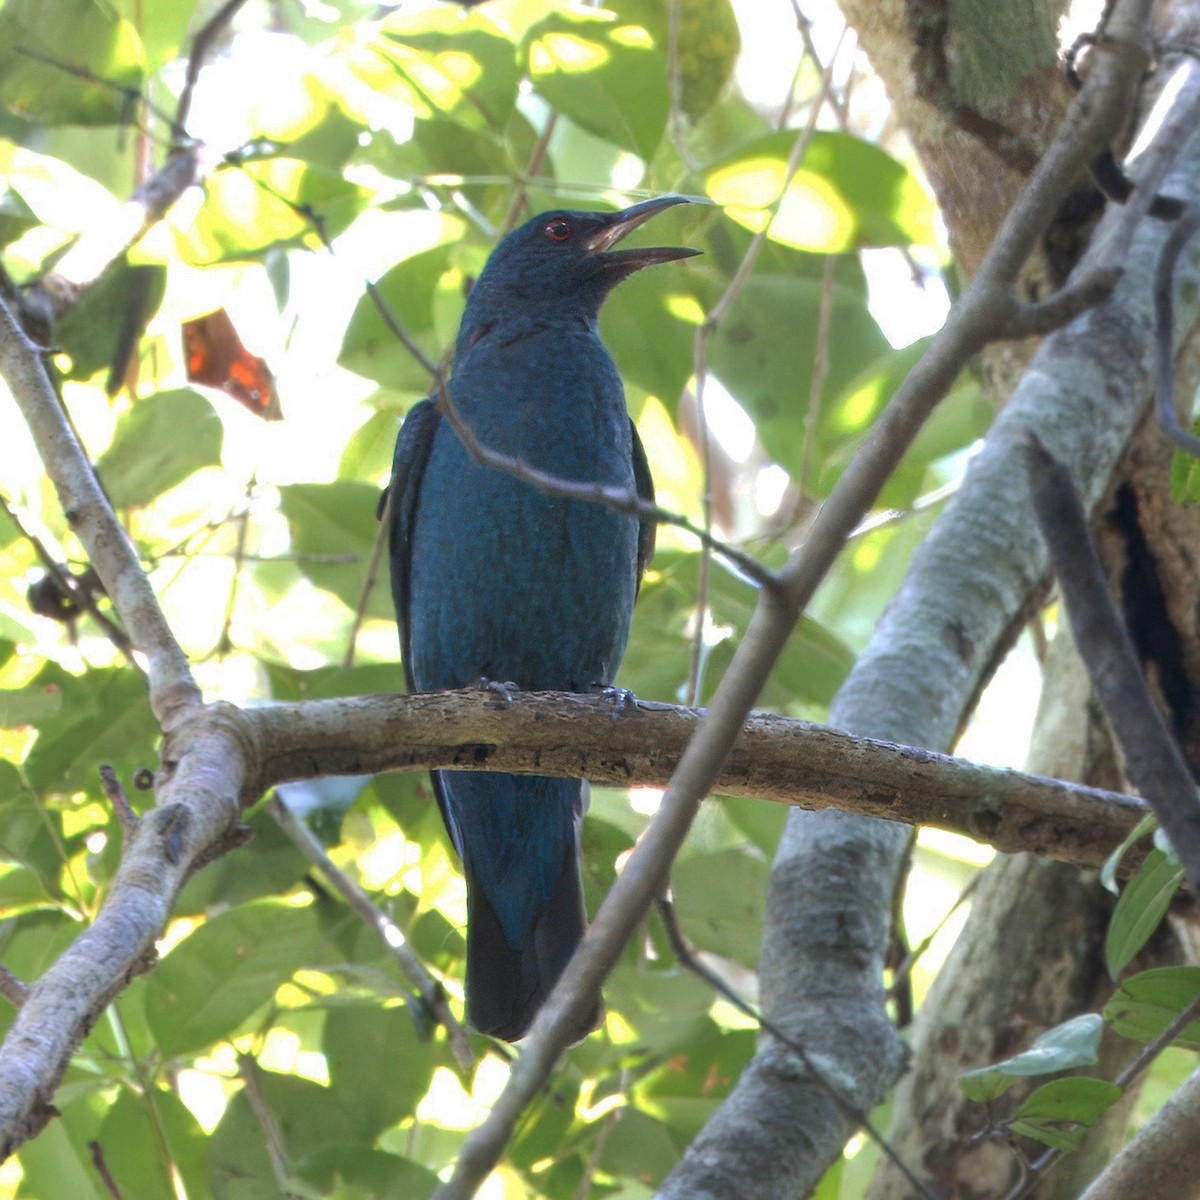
<point x="498" y="583"/>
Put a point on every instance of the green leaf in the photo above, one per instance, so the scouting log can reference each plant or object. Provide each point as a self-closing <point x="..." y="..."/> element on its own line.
<point x="326" y="683"/>
<point x="1079" y="1101"/>
<point x="1146" y="1003"/>
<point x="684" y="1091"/>
<point x="159" y="442"/>
<point x="1141" y="907"/>
<point x="656" y="661"/>
<point x="763" y="353"/>
<point x="847" y="194"/>
<point x="225" y="970"/>
<point x="1071" y="1044"/>
<point x="650" y="329"/>
<point x="761" y="823"/>
<point x="29" y="946"/>
<point x="1108" y="873"/>
<point x="360" y="1173"/>
<point x="29" y="705"/>
<point x="453" y="64"/>
<point x="356" y="1040"/>
<point x="268" y="865"/>
<point x="134" y="1151"/>
<point x="117" y="306"/>
<point x="79" y="34"/>
<point x="368" y="454"/>
<point x="254" y="205"/>
<point x="666" y="1008"/>
<point x="309" y="1119"/>
<point x="337" y="519"/>
<point x="105" y="717"/>
<point x="962" y="417"/>
<point x="606" y="76"/>
<point x="57" y="1162"/>
<point x="640" y="1148"/>
<point x="720" y="900"/>
<point x="15" y="215"/>
<point x="409" y="289"/>
<point x="708" y="45"/>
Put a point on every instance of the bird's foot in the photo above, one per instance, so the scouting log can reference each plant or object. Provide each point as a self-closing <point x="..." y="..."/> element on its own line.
<point x="620" y="698"/>
<point x="506" y="690"/>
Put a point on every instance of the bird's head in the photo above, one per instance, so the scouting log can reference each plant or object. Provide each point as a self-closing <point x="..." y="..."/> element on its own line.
<point x="562" y="262"/>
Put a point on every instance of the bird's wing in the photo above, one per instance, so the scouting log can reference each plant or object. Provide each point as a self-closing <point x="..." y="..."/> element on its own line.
<point x="412" y="455"/>
<point x="644" y="481"/>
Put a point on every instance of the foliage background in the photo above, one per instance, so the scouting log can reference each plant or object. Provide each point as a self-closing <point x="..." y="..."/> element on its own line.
<point x="408" y="138"/>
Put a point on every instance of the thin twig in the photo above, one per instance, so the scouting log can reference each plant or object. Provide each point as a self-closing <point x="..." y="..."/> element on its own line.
<point x="686" y="956"/>
<point x="200" y="46"/>
<point x="11" y="988"/>
<point x="431" y="991"/>
<point x="68" y="585"/>
<point x="130" y="94"/>
<point x="707" y="329"/>
<point x="1153" y="760"/>
<point x="541" y="146"/>
<point x="250" y="1074"/>
<point x="567" y="489"/>
<point x="382" y="533"/>
<point x="97" y="1153"/>
<point x="1036" y="1171"/>
<point x="904" y="970"/>
<point x="1164" y="339"/>
<point x="617" y="499"/>
<point x="224" y="644"/>
<point x="611" y="1121"/>
<point x="116" y="797"/>
<point x="677" y="120"/>
<point x="172" y="687"/>
<point x="820" y="368"/>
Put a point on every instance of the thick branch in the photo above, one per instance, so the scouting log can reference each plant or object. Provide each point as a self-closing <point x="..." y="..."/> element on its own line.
<point x="195" y="818"/>
<point x="774" y="758"/>
<point x="1153" y="760"/>
<point x="969" y="590"/>
<point x="1163" y="1161"/>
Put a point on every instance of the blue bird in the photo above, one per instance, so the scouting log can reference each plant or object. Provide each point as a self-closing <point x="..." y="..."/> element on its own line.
<point x="496" y="580"/>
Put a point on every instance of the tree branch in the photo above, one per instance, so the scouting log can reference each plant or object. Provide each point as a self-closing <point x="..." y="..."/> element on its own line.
<point x="1153" y="761"/>
<point x="431" y="991"/>
<point x="968" y="593"/>
<point x="1163" y="1160"/>
<point x="773" y="758"/>
<point x="172" y="688"/>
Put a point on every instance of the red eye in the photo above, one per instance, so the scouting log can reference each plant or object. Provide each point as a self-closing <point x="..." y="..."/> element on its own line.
<point x="558" y="230"/>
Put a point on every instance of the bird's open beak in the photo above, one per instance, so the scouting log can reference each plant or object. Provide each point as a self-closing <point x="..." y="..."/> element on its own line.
<point x="618" y="224"/>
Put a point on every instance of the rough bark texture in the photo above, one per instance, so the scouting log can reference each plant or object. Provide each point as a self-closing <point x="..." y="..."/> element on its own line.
<point x="1153" y="550"/>
<point x="978" y="91"/>
<point x="971" y="587"/>
<point x="1012" y="973"/>
<point x="775" y="758"/>
<point x="1163" y="1162"/>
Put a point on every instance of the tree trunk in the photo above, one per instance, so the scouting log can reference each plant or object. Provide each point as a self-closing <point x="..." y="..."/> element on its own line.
<point x="970" y="589"/>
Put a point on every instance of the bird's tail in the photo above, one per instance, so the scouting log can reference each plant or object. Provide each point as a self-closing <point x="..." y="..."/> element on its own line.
<point x="518" y="837"/>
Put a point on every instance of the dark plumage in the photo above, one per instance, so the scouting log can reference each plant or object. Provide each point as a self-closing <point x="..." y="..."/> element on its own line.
<point x="493" y="579"/>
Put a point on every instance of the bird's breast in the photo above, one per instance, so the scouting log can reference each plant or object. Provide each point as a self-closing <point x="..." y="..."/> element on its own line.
<point x="509" y="582"/>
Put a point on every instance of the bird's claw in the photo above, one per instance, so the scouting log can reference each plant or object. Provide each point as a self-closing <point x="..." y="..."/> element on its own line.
<point x="506" y="689"/>
<point x="620" y="698"/>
